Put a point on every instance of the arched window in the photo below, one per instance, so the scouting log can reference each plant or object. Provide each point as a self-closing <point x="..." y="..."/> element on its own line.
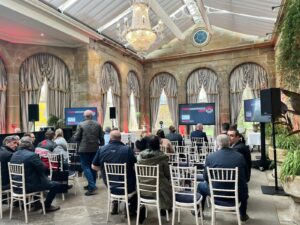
<point x="133" y="90"/>
<point x="202" y="86"/>
<point x="164" y="113"/>
<point x="3" y="86"/>
<point x="167" y="83"/>
<point x="34" y="70"/>
<point x="249" y="73"/>
<point x="109" y="104"/>
<point x="109" y="80"/>
<point x="43" y="113"/>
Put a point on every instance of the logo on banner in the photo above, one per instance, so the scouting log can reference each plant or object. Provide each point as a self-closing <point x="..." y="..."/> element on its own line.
<point x="209" y="109"/>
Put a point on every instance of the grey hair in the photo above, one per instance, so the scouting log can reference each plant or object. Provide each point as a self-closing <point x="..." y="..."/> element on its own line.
<point x="26" y="143"/>
<point x="88" y="114"/>
<point x="10" y="138"/>
<point x="223" y="141"/>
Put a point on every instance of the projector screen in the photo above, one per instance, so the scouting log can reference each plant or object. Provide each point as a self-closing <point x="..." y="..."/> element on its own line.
<point x="74" y="116"/>
<point x="191" y="114"/>
<point x="252" y="111"/>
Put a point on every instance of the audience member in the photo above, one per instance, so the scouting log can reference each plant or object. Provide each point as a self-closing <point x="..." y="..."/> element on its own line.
<point x="234" y="126"/>
<point x="35" y="176"/>
<point x="117" y="152"/>
<point x="153" y="156"/>
<point x="106" y="135"/>
<point x="198" y="133"/>
<point x="227" y="158"/>
<point x="48" y="143"/>
<point x="164" y="141"/>
<point x="31" y="135"/>
<point x="239" y="146"/>
<point x="173" y="136"/>
<point x="17" y="130"/>
<point x="142" y="144"/>
<point x="61" y="144"/>
<point x="224" y="128"/>
<point x="10" y="144"/>
<point x="90" y="135"/>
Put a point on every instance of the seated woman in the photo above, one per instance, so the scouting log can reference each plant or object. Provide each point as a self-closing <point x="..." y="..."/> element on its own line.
<point x="61" y="144"/>
<point x="164" y="141"/>
<point x="153" y="156"/>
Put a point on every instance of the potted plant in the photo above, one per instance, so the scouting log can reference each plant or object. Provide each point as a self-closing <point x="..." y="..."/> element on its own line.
<point x="55" y="121"/>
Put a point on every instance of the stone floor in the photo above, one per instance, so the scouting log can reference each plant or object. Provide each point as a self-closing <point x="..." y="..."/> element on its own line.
<point x="91" y="210"/>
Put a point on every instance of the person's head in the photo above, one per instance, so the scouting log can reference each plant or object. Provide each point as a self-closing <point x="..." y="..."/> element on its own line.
<point x="199" y="127"/>
<point x="233" y="135"/>
<point x="223" y="141"/>
<point x="49" y="134"/>
<point x="115" y="135"/>
<point x="107" y="130"/>
<point x="31" y="135"/>
<point x="160" y="133"/>
<point x="172" y="129"/>
<point x="225" y="128"/>
<point x="142" y="144"/>
<point x="88" y="114"/>
<point x="154" y="143"/>
<point x="26" y="143"/>
<point x="59" y="133"/>
<point x="11" y="142"/>
<point x="17" y="130"/>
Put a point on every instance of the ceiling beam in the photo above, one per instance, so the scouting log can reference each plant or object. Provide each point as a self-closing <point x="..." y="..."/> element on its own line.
<point x="166" y="19"/>
<point x="66" y="5"/>
<point x="202" y="10"/>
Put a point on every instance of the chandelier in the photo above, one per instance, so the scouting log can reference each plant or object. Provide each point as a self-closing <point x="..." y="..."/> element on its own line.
<point x="140" y="35"/>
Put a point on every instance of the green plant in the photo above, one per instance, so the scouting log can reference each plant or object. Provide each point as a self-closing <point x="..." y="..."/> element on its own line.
<point x="289" y="47"/>
<point x="287" y="142"/>
<point x="55" y="121"/>
<point x="291" y="165"/>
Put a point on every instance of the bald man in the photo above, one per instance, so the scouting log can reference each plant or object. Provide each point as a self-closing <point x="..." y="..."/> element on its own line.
<point x="89" y="135"/>
<point x="116" y="152"/>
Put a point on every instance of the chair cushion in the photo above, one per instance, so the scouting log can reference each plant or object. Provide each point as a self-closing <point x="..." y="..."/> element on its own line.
<point x="186" y="198"/>
<point x="200" y="177"/>
<point x="117" y="191"/>
<point x="225" y="202"/>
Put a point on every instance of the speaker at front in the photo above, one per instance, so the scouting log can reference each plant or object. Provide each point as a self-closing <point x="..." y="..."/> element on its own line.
<point x="112" y="112"/>
<point x="33" y="112"/>
<point x="270" y="102"/>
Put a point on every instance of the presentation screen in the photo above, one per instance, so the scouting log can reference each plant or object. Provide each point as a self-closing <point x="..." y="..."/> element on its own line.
<point x="74" y="116"/>
<point x="191" y="114"/>
<point x="252" y="111"/>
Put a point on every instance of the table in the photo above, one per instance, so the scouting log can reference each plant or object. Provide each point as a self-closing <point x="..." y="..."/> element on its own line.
<point x="253" y="139"/>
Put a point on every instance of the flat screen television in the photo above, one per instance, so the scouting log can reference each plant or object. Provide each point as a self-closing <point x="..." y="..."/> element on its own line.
<point x="252" y="111"/>
<point x="73" y="116"/>
<point x="191" y="114"/>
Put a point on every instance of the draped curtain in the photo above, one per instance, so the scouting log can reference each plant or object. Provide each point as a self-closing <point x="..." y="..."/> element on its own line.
<point x="253" y="75"/>
<point x="109" y="79"/>
<point x="207" y="79"/>
<point x="168" y="83"/>
<point x="133" y="87"/>
<point x="3" y="86"/>
<point x="32" y="74"/>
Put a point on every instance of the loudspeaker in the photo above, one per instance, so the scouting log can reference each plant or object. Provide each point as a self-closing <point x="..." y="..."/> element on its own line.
<point x="270" y="102"/>
<point x="33" y="112"/>
<point x="112" y="112"/>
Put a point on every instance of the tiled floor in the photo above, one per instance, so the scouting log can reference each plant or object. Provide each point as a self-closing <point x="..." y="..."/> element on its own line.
<point x="91" y="210"/>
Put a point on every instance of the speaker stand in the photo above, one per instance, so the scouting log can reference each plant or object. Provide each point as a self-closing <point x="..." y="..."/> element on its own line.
<point x="112" y="124"/>
<point x="33" y="126"/>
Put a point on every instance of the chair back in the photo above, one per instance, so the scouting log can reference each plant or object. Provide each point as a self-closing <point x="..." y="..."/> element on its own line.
<point x="184" y="181"/>
<point x="74" y="162"/>
<point x="116" y="178"/>
<point x="223" y="184"/>
<point x="199" y="140"/>
<point x="164" y="148"/>
<point x="147" y="178"/>
<point x="182" y="152"/>
<point x="43" y="154"/>
<point x="55" y="163"/>
<point x="17" y="178"/>
<point x="173" y="158"/>
<point x="174" y="143"/>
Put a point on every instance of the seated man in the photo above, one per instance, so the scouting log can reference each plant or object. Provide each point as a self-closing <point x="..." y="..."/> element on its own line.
<point x="239" y="146"/>
<point x="117" y="152"/>
<point x="10" y="144"/>
<point x="35" y="178"/>
<point x="173" y="136"/>
<point x="48" y="143"/>
<point x="227" y="158"/>
<point x="198" y="133"/>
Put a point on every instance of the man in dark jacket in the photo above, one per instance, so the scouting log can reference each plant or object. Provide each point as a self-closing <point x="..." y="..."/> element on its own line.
<point x="173" y="136"/>
<point x="227" y="158"/>
<point x="117" y="152"/>
<point x="10" y="144"/>
<point x="35" y="176"/>
<point x="237" y="144"/>
<point x="198" y="133"/>
<point x="48" y="143"/>
<point x="90" y="135"/>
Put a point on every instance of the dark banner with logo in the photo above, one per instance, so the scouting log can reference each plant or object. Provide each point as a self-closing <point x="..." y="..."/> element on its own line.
<point x="191" y="114"/>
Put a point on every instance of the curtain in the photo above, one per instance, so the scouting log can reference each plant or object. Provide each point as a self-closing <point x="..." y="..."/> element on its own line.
<point x="32" y="73"/>
<point x="133" y="87"/>
<point x="207" y="79"/>
<point x="109" y="79"/>
<point x="168" y="83"/>
<point x="3" y="86"/>
<point x="253" y="75"/>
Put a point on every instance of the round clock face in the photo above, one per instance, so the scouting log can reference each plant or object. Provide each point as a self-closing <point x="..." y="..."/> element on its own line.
<point x="201" y="37"/>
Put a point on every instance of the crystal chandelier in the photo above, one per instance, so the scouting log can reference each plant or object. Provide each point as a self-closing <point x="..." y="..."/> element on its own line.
<point x="140" y="35"/>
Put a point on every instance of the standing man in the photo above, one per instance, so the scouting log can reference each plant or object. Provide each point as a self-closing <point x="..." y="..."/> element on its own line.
<point x="90" y="135"/>
<point x="10" y="144"/>
<point x="237" y="144"/>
